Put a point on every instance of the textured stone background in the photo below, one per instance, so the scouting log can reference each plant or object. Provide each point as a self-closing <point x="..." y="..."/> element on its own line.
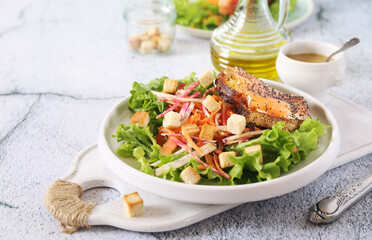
<point x="64" y="63"/>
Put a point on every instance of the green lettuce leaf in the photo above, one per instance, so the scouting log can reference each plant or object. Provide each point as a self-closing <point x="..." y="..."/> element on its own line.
<point x="193" y="13"/>
<point x="136" y="136"/>
<point x="126" y="150"/>
<point x="274" y="8"/>
<point x="172" y="175"/>
<point x="189" y="80"/>
<point x="275" y="143"/>
<point x="277" y="150"/>
<point x="308" y="136"/>
<point x="139" y="153"/>
<point x="143" y="100"/>
<point x="269" y="171"/>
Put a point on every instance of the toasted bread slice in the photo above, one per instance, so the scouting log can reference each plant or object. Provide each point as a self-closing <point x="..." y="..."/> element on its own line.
<point x="262" y="105"/>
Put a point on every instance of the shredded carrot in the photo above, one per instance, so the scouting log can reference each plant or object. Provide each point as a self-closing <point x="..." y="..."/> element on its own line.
<point x="208" y="120"/>
<point x="160" y="139"/>
<point x="177" y="130"/>
<point x="195" y="118"/>
<point x="215" y="160"/>
<point x="201" y="167"/>
<point x="165" y="130"/>
<point x="198" y="106"/>
<point x="199" y="142"/>
<point x="218" y="151"/>
<point x="229" y="113"/>
<point x="188" y="121"/>
<point x="168" y="147"/>
<point x="219" y="137"/>
<point x="191" y="142"/>
<point x="209" y="160"/>
<point x="217" y="98"/>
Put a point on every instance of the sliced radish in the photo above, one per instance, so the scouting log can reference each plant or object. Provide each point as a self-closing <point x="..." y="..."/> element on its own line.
<point x="168" y="110"/>
<point x="179" y="143"/>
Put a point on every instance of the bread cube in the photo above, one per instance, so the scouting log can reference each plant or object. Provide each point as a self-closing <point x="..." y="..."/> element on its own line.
<point x="192" y="129"/>
<point x="207" y="132"/>
<point x="255" y="148"/>
<point x="206" y="79"/>
<point x="154" y="31"/>
<point x="133" y="204"/>
<point x="164" y="44"/>
<point x="172" y="120"/>
<point x="134" y="42"/>
<point x="170" y="86"/>
<point x="190" y="176"/>
<point x="155" y="40"/>
<point x="142" y="118"/>
<point x="224" y="160"/>
<point x="211" y="104"/>
<point x="143" y="36"/>
<point x="146" y="47"/>
<point x="236" y="124"/>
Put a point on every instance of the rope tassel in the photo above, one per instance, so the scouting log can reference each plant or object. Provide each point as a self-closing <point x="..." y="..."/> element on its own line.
<point x="62" y="199"/>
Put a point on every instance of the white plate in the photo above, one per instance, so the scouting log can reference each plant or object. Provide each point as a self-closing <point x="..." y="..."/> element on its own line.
<point x="302" y="174"/>
<point x="303" y="11"/>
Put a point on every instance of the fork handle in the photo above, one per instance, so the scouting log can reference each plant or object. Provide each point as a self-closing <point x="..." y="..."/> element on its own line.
<point x="331" y="207"/>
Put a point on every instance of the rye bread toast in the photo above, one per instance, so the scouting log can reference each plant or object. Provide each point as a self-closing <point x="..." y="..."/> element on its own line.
<point x="262" y="105"/>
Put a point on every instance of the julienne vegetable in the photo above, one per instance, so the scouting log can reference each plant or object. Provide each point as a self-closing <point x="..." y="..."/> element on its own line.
<point x="197" y="136"/>
<point x="209" y="14"/>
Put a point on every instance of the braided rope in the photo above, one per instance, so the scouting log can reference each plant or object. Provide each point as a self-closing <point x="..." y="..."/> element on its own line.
<point x="62" y="199"/>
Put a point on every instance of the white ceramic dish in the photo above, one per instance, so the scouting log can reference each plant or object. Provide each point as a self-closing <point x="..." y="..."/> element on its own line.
<point x="313" y="78"/>
<point x="303" y="11"/>
<point x="162" y="214"/>
<point x="302" y="174"/>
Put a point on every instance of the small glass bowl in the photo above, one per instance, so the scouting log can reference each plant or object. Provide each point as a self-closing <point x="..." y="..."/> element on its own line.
<point x="150" y="26"/>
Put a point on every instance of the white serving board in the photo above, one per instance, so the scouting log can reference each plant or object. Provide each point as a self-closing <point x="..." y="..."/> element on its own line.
<point x="163" y="214"/>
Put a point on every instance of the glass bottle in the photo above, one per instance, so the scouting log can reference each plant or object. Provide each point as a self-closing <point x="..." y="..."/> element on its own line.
<point x="251" y="39"/>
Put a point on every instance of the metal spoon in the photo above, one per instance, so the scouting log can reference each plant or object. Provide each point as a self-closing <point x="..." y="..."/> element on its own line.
<point x="331" y="207"/>
<point x="352" y="42"/>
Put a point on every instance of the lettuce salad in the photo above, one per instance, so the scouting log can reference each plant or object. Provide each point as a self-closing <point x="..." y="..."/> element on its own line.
<point x="204" y="15"/>
<point x="281" y="149"/>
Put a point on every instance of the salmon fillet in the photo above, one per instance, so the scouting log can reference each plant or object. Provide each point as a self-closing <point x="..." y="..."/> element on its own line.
<point x="262" y="105"/>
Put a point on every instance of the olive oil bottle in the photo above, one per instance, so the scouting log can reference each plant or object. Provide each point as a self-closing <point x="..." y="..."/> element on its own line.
<point x="251" y="39"/>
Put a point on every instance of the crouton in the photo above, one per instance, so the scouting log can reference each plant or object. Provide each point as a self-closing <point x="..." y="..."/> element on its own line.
<point x="255" y="148"/>
<point x="190" y="176"/>
<point x="154" y="40"/>
<point x="206" y="79"/>
<point x="224" y="159"/>
<point x="192" y="129"/>
<point x="236" y="124"/>
<point x="144" y="36"/>
<point x="134" y="42"/>
<point x="164" y="44"/>
<point x="154" y="31"/>
<point x="170" y="86"/>
<point x="133" y="204"/>
<point x="207" y="132"/>
<point x="211" y="104"/>
<point x="142" y="118"/>
<point x="172" y="120"/>
<point x="146" y="47"/>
